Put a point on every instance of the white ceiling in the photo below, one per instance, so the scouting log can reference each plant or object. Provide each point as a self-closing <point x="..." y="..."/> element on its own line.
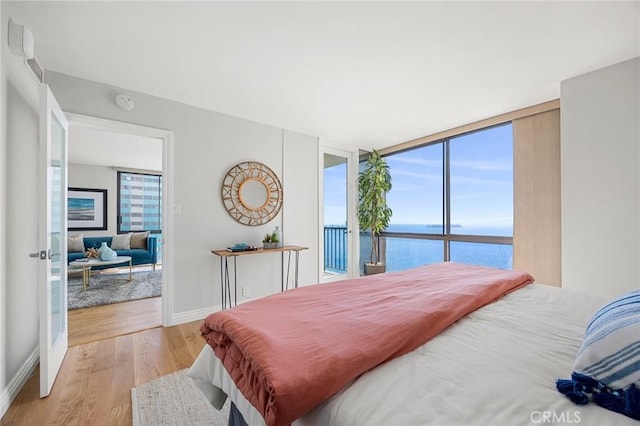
<point x="91" y="146"/>
<point x="370" y="74"/>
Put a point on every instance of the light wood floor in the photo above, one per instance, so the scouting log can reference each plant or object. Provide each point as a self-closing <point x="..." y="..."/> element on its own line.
<point x="101" y="322"/>
<point x="95" y="381"/>
<point x="112" y="348"/>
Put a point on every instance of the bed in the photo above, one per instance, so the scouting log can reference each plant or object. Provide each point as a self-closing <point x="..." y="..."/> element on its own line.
<point x="495" y="365"/>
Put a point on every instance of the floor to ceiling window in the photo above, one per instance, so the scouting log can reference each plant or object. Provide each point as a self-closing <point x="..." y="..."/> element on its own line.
<point x="140" y="204"/>
<point x="453" y="200"/>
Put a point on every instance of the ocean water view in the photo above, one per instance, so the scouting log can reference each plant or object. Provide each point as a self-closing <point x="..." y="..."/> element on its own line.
<point x="406" y="253"/>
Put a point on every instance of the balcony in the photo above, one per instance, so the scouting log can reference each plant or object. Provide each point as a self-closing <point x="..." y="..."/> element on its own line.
<point x="335" y="249"/>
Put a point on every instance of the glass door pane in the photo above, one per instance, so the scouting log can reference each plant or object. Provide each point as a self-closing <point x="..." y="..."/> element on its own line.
<point x="57" y="231"/>
<point x="336" y="212"/>
<point x="52" y="239"/>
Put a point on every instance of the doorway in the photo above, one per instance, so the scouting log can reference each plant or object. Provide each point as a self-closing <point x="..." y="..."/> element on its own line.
<point x="338" y="211"/>
<point x="131" y="163"/>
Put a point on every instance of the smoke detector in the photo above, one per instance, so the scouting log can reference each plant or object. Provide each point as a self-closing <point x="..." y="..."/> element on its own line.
<point x="124" y="102"/>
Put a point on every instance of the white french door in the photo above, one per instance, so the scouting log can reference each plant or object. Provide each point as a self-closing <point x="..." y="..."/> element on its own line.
<point x="338" y="247"/>
<point x="52" y="239"/>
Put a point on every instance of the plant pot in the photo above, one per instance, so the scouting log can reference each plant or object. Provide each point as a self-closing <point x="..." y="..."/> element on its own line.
<point x="269" y="245"/>
<point x="374" y="268"/>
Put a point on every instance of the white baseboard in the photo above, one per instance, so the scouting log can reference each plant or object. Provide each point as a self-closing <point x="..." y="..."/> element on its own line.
<point x="201" y="313"/>
<point x="9" y="393"/>
<point x="195" y="315"/>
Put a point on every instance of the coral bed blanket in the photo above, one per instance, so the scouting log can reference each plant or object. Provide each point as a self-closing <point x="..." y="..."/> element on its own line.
<point x="289" y="352"/>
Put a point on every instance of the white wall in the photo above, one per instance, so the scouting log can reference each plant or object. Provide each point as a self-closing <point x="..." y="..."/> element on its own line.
<point x="206" y="145"/>
<point x="301" y="184"/>
<point x="4" y="400"/>
<point x="97" y="177"/>
<point x="18" y="224"/>
<point x="601" y="179"/>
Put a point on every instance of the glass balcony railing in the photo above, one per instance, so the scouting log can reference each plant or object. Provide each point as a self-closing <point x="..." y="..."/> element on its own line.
<point x="335" y="248"/>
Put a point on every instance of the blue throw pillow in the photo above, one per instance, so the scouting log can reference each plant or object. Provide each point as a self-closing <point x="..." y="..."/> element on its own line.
<point x="607" y="367"/>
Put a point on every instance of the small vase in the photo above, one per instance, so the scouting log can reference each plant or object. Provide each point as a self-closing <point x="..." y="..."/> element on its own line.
<point x="106" y="253"/>
<point x="278" y="234"/>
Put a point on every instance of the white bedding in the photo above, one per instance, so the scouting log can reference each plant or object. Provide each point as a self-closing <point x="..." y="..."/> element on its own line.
<point x="496" y="366"/>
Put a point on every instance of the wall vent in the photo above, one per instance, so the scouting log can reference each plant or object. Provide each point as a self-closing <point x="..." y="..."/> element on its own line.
<point x="36" y="69"/>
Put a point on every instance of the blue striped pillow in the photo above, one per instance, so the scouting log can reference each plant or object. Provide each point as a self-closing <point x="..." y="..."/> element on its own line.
<point x="607" y="367"/>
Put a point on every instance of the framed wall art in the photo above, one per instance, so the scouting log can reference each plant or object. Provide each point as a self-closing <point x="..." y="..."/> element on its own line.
<point x="87" y="209"/>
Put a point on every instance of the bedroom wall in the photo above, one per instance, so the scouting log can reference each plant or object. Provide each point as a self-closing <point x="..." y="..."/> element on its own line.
<point x="206" y="145"/>
<point x="600" y="164"/>
<point x="18" y="224"/>
<point x="3" y="205"/>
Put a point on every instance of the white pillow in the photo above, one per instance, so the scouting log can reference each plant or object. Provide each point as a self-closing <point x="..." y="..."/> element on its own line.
<point x="75" y="243"/>
<point x="121" y="242"/>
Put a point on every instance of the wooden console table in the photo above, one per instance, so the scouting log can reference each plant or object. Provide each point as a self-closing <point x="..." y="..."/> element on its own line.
<point x="225" y="282"/>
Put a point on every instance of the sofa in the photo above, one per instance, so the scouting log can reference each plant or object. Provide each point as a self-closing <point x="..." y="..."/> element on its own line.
<point x="138" y="256"/>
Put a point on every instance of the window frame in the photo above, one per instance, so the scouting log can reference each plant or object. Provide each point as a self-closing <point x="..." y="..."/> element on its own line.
<point x="446" y="237"/>
<point x="119" y="199"/>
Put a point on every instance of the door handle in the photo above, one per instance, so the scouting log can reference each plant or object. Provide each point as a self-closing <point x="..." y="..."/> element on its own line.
<point x="42" y="255"/>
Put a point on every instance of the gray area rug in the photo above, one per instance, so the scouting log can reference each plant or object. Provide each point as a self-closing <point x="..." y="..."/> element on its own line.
<point x="110" y="288"/>
<point x="174" y="400"/>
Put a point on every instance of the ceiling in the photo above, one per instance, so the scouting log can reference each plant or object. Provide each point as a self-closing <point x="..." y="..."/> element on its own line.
<point x="369" y="74"/>
<point x="97" y="147"/>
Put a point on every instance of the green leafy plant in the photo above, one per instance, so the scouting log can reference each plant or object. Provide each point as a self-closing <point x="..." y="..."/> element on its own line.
<point x="271" y="238"/>
<point x="374" y="181"/>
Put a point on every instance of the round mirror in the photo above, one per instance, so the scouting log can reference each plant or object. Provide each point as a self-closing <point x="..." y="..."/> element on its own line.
<point x="251" y="193"/>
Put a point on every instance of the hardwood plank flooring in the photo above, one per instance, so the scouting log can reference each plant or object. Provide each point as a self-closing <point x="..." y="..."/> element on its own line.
<point x="95" y="381"/>
<point x="102" y="322"/>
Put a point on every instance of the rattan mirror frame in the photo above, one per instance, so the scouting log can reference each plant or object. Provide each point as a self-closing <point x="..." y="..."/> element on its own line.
<point x="238" y="207"/>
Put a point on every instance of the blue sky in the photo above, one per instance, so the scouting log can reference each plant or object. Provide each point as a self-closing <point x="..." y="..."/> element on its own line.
<point x="481" y="183"/>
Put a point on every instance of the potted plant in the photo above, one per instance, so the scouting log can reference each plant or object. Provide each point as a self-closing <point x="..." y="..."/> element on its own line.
<point x="374" y="181"/>
<point x="270" y="241"/>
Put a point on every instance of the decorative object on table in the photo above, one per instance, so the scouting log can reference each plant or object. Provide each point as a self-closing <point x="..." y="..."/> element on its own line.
<point x="92" y="253"/>
<point x="277" y="233"/>
<point x="242" y="247"/>
<point x="86" y="209"/>
<point x="251" y="193"/>
<point x="374" y="181"/>
<point x="271" y="241"/>
<point x="106" y="253"/>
